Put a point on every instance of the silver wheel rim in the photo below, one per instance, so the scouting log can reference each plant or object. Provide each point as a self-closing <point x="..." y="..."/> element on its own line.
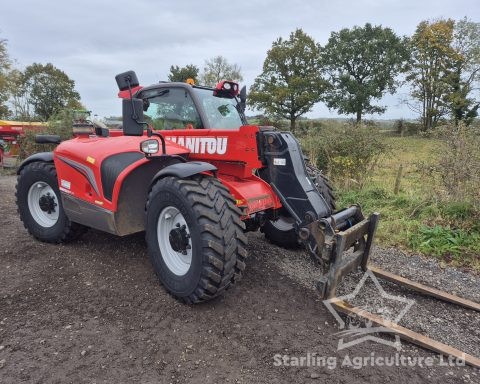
<point x="178" y="262"/>
<point x="46" y="217"/>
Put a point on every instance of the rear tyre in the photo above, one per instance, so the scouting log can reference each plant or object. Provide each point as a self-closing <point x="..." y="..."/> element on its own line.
<point x="40" y="206"/>
<point x="195" y="237"/>
<point x="281" y="231"/>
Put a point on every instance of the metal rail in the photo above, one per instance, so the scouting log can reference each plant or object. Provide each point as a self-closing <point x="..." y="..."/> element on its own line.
<point x="407" y="334"/>
<point x="441" y="295"/>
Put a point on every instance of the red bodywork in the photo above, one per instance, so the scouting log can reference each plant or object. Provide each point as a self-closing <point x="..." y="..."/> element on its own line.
<point x="10" y="133"/>
<point x="233" y="152"/>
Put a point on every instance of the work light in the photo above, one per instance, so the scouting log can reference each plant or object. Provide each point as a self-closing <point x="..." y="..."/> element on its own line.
<point x="149" y="146"/>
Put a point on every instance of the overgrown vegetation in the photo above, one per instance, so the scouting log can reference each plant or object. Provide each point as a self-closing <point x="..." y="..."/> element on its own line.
<point x="436" y="210"/>
<point x="59" y="124"/>
<point x="347" y="153"/>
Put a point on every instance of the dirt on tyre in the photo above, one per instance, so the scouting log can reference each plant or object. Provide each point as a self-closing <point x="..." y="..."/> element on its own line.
<point x="195" y="237"/>
<point x="40" y="206"/>
<point x="281" y="231"/>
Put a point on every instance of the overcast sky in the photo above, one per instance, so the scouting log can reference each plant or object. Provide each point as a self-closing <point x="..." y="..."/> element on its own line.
<point x="92" y="41"/>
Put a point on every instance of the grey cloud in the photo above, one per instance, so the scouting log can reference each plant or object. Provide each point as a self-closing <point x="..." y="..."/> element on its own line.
<point x="94" y="40"/>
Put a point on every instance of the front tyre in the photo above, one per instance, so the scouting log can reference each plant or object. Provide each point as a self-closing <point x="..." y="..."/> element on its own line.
<point x="281" y="232"/>
<point x="195" y="237"/>
<point x="40" y="206"/>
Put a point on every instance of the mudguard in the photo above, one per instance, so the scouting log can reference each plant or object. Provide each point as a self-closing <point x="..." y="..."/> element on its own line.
<point x="183" y="170"/>
<point x="41" y="156"/>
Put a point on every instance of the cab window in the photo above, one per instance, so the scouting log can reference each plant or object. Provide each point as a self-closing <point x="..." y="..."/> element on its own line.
<point x="221" y="113"/>
<point x="169" y="109"/>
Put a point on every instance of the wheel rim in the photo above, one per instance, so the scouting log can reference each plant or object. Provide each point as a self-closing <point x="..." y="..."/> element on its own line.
<point x="174" y="240"/>
<point x="43" y="204"/>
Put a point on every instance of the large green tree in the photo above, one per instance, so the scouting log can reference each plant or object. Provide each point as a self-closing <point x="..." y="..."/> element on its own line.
<point x="217" y="69"/>
<point x="181" y="74"/>
<point x="463" y="74"/>
<point x="430" y="73"/>
<point x="362" y="64"/>
<point x="291" y="81"/>
<point x="48" y="90"/>
<point x="4" y="85"/>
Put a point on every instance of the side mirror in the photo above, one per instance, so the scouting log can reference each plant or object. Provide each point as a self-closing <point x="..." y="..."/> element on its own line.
<point x="127" y="80"/>
<point x="243" y="98"/>
<point x="132" y="114"/>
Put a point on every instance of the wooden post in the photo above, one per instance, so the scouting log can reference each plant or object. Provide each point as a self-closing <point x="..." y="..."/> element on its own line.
<point x="398" y="179"/>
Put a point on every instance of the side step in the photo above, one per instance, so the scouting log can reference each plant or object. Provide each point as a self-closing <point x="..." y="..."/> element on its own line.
<point x="407" y="334"/>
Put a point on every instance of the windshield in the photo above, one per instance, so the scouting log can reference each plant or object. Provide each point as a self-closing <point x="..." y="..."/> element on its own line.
<point x="220" y="112"/>
<point x="168" y="109"/>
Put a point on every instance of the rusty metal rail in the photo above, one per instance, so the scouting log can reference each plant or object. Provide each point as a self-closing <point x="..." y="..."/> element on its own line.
<point x="407" y="334"/>
<point x="423" y="289"/>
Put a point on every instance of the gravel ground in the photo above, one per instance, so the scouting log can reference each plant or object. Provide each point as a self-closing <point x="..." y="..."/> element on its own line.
<point x="93" y="312"/>
<point x="447" y="323"/>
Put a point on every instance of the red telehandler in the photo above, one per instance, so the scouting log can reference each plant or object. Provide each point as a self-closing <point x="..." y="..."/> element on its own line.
<point x="189" y="171"/>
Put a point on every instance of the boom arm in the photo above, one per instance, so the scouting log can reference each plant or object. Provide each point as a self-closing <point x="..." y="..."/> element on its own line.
<point x="325" y="234"/>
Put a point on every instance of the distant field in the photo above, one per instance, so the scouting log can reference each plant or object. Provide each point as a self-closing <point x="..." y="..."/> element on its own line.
<point x="415" y="218"/>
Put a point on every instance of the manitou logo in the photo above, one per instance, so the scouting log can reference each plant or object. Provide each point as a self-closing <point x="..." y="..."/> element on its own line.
<point x="210" y="145"/>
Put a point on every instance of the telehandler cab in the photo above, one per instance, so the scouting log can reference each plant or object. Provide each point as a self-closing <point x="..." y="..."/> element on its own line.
<point x="189" y="171"/>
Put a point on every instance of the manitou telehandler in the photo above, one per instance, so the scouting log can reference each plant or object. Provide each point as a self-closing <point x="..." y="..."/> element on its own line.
<point x="189" y="171"/>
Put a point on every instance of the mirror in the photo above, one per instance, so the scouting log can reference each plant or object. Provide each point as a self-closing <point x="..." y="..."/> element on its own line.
<point x="243" y="98"/>
<point x="132" y="113"/>
<point x="127" y="80"/>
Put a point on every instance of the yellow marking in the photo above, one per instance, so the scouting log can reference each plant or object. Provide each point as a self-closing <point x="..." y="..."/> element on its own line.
<point x="91" y="160"/>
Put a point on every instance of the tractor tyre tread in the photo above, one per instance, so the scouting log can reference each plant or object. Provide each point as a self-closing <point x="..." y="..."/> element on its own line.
<point x="221" y="229"/>
<point x="66" y="230"/>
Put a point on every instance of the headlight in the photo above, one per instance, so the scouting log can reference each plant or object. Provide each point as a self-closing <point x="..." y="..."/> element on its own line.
<point x="149" y="146"/>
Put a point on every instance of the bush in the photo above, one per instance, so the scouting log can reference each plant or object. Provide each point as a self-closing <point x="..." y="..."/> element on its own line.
<point x="403" y="127"/>
<point x="461" y="247"/>
<point x="59" y="124"/>
<point x="457" y="166"/>
<point x="347" y="152"/>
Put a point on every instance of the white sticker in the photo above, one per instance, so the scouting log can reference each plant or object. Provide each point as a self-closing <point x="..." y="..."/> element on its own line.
<point x="278" y="161"/>
<point x="66" y="191"/>
<point x="65" y="184"/>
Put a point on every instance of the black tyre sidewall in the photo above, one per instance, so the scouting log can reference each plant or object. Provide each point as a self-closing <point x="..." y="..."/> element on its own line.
<point x="283" y="238"/>
<point x="186" y="284"/>
<point x="31" y="174"/>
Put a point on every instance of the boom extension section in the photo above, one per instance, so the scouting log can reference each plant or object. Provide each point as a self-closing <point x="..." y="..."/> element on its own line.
<point x="327" y="235"/>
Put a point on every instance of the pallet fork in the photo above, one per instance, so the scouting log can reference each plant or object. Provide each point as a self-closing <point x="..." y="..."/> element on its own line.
<point x="405" y="333"/>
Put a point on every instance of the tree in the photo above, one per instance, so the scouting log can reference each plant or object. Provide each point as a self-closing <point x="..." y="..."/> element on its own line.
<point x="217" y="69"/>
<point x="48" y="90"/>
<point x="4" y="86"/>
<point x="362" y="64"/>
<point x="291" y="82"/>
<point x="430" y="67"/>
<point x="19" y="99"/>
<point x="464" y="71"/>
<point x="181" y="74"/>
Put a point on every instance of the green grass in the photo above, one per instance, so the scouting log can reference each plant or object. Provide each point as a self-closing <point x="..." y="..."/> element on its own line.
<point x="416" y="219"/>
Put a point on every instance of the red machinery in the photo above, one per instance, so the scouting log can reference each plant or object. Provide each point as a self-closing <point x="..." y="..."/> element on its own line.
<point x="10" y="133"/>
<point x="190" y="172"/>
